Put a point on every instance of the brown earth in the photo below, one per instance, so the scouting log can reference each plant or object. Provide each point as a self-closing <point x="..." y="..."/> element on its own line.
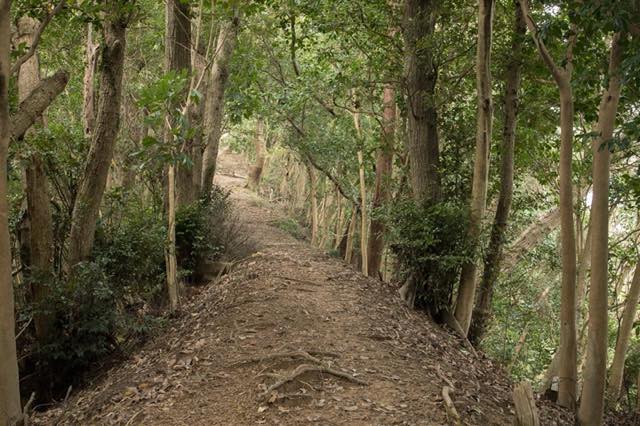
<point x="363" y="358"/>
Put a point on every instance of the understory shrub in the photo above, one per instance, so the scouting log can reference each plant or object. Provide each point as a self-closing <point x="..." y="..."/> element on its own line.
<point x="430" y="243"/>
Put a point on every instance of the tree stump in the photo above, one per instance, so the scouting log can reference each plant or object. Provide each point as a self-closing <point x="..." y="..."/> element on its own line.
<point x="526" y="411"/>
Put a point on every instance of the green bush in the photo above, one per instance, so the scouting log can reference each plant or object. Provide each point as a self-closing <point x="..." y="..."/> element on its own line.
<point x="202" y="230"/>
<point x="431" y="245"/>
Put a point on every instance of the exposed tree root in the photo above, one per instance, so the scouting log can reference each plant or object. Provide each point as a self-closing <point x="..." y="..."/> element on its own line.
<point x="455" y="325"/>
<point x="306" y="368"/>
<point x="452" y="413"/>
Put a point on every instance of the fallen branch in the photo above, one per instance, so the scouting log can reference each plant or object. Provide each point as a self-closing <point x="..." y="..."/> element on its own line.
<point x="306" y="368"/>
<point x="452" y="413"/>
<point x="297" y="280"/>
<point x="27" y="409"/>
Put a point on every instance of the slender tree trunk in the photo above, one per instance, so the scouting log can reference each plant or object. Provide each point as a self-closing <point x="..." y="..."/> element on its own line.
<point x="178" y="59"/>
<point x="363" y="192"/>
<point x="214" y="110"/>
<point x="562" y="76"/>
<point x="313" y="195"/>
<point x="351" y="230"/>
<point x="85" y="211"/>
<point x="493" y="258"/>
<point x="384" y="168"/>
<point x="39" y="268"/>
<point x="624" y="334"/>
<point x="9" y="385"/>
<point x="170" y="255"/>
<point x="592" y="401"/>
<point x="88" y="86"/>
<point x="255" y="174"/>
<point x="467" y="289"/>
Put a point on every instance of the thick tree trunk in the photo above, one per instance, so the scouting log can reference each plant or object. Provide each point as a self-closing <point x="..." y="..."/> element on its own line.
<point x="624" y="334"/>
<point x="592" y="400"/>
<point x="562" y="76"/>
<point x="214" y="110"/>
<point x="255" y="174"/>
<point x="89" y="85"/>
<point x="384" y="168"/>
<point x="38" y="270"/>
<point x="493" y="259"/>
<point x="467" y="288"/>
<point x="421" y="76"/>
<point x="423" y="147"/>
<point x="87" y="205"/>
<point x="9" y="385"/>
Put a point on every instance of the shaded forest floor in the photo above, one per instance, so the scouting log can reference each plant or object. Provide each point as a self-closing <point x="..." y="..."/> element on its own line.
<point x="362" y="357"/>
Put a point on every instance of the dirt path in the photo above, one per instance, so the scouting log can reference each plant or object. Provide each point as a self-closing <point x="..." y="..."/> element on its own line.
<point x="215" y="364"/>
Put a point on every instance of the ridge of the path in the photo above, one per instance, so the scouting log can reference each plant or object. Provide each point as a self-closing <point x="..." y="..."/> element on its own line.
<point x="292" y="336"/>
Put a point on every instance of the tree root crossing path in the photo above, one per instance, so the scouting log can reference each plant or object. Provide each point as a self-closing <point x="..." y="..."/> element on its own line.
<point x="293" y="336"/>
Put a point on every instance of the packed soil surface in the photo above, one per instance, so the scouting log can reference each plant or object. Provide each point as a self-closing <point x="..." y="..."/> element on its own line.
<point x="292" y="336"/>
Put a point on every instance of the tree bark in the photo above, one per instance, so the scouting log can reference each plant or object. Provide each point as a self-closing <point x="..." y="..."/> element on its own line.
<point x="421" y="76"/>
<point x="255" y="174"/>
<point x="313" y="196"/>
<point x="89" y="86"/>
<point x="423" y="146"/>
<point x="384" y="169"/>
<point x="624" y="334"/>
<point x="38" y="269"/>
<point x="562" y="76"/>
<point x="87" y="205"/>
<point x="178" y="59"/>
<point x="9" y="384"/>
<point x="493" y="259"/>
<point x="467" y="289"/>
<point x="34" y="105"/>
<point x="214" y="110"/>
<point x="592" y="401"/>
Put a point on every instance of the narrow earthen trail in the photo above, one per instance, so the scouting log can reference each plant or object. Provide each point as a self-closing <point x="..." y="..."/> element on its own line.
<point x="286" y="309"/>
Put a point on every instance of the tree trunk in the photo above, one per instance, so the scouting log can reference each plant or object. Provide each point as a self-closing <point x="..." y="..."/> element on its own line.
<point x="421" y="77"/>
<point x="384" y="169"/>
<point x="170" y="255"/>
<point x="562" y="76"/>
<point x="467" y="289"/>
<point x="178" y="59"/>
<point x="493" y="259"/>
<point x="313" y="195"/>
<point x="34" y="105"/>
<point x="363" y="197"/>
<point x="214" y="110"/>
<point x="255" y="174"/>
<point x="351" y="230"/>
<point x="592" y="401"/>
<point x="9" y="385"/>
<point x="87" y="205"/>
<point x="423" y="147"/>
<point x="624" y="334"/>
<point x="88" y="91"/>
<point x="39" y="268"/>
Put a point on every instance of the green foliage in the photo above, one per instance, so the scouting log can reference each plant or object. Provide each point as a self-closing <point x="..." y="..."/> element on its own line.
<point x="201" y="230"/>
<point x="431" y="244"/>
<point x="291" y="227"/>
